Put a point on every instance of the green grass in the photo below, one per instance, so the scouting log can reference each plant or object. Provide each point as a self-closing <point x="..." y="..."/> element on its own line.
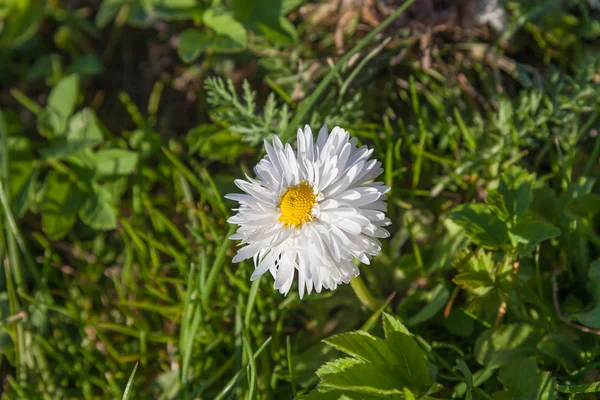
<point x="116" y="277"/>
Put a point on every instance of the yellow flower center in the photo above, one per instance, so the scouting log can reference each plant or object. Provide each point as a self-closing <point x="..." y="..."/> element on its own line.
<point x="296" y="204"/>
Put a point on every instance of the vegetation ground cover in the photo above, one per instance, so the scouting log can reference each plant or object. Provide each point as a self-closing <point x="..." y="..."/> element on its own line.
<point x="124" y="122"/>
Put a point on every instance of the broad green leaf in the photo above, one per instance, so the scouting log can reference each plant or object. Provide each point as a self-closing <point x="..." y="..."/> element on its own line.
<point x="367" y="378"/>
<point x="226" y="25"/>
<point x="193" y="42"/>
<point x="363" y="346"/>
<point x="476" y="271"/>
<point x="85" y="125"/>
<point x="338" y="395"/>
<point x="458" y="323"/>
<point x="115" y="162"/>
<point x="83" y="133"/>
<point x="516" y="188"/>
<point x="521" y="381"/>
<point x="97" y="212"/>
<point x="584" y="207"/>
<point x="499" y="346"/>
<point x="62" y="201"/>
<point x="562" y="349"/>
<point x="410" y="361"/>
<point x="63" y="148"/>
<point x="527" y="234"/>
<point x="61" y="104"/>
<point x="336" y="366"/>
<point x="480" y="225"/>
<point x="266" y="18"/>
<point x="495" y="201"/>
<point x="393" y="324"/>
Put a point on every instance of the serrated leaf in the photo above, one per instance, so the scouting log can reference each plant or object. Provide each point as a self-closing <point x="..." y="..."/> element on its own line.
<point x="480" y="225"/>
<point x="329" y="394"/>
<point x="527" y="234"/>
<point x="367" y="378"/>
<point x="393" y="324"/>
<point x="363" y="346"/>
<point x="500" y="346"/>
<point x="97" y="212"/>
<point x="336" y="366"/>
<point x="409" y="358"/>
<point x="113" y="163"/>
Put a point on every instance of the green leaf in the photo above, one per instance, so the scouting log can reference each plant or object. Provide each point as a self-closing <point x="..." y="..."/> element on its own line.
<point x="464" y="369"/>
<point x="363" y="346"/>
<point x="458" y="323"/>
<point x="339" y="395"/>
<point x="399" y="353"/>
<point x="266" y="18"/>
<point x="225" y="25"/>
<point x="113" y="163"/>
<point x="499" y="346"/>
<point x="97" y="212"/>
<point x="516" y="188"/>
<point x="527" y="234"/>
<point x="584" y="207"/>
<point x="410" y="361"/>
<point x="83" y="132"/>
<point x="521" y="381"/>
<point x="495" y="201"/>
<point x="61" y="104"/>
<point x="379" y="379"/>
<point x="563" y="349"/>
<point x="336" y="366"/>
<point x="393" y="324"/>
<point x="193" y="42"/>
<point x="475" y="272"/>
<point x="62" y="201"/>
<point x="64" y="148"/>
<point x="481" y="226"/>
<point x="108" y="11"/>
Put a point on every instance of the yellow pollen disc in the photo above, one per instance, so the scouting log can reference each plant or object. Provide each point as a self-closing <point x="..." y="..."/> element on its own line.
<point x="296" y="204"/>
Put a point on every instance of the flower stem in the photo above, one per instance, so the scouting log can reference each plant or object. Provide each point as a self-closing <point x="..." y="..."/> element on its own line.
<point x="364" y="294"/>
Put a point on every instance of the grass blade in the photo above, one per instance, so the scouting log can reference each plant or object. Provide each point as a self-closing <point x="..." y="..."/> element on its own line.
<point x="129" y="386"/>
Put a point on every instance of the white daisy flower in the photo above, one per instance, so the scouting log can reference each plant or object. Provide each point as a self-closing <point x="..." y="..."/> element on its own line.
<point x="311" y="210"/>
